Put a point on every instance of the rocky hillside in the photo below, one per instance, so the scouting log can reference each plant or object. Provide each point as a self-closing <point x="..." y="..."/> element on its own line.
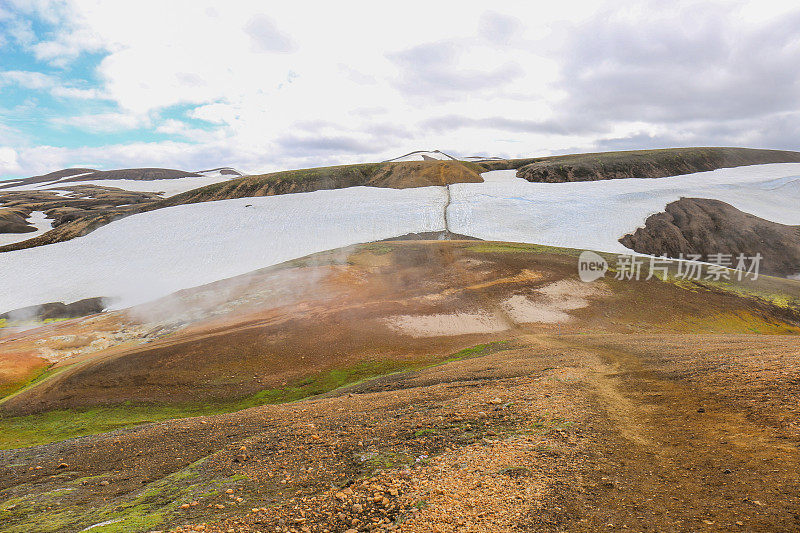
<point x="398" y="175"/>
<point x="87" y="174"/>
<point x="643" y="163"/>
<point x="82" y="209"/>
<point x="14" y="221"/>
<point x="704" y="226"/>
<point x="55" y="311"/>
<point x="44" y="178"/>
<point x="78" y="200"/>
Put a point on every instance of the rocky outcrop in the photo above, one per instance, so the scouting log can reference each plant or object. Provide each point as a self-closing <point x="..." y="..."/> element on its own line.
<point x="86" y="208"/>
<point x="704" y="226"/>
<point x="15" y="221"/>
<point x="646" y="163"/>
<point x="55" y="311"/>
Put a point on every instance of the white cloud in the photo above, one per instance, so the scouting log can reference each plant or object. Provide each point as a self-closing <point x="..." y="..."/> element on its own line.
<point x="76" y="93"/>
<point x="21" y="32"/>
<point x="26" y="79"/>
<point x="104" y="122"/>
<point x="282" y="87"/>
<point x="266" y="36"/>
<point x="37" y="81"/>
<point x="8" y="160"/>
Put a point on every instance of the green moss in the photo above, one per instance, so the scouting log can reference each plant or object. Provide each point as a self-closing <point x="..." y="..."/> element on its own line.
<point x="513" y="247"/>
<point x="477" y="351"/>
<point x="144" y="510"/>
<point x="53" y="426"/>
<point x="43" y="374"/>
<point x="51" y="320"/>
<point x="380" y="248"/>
<point x="780" y="292"/>
<point x="388" y="459"/>
<point x="325" y="382"/>
<point x="735" y="322"/>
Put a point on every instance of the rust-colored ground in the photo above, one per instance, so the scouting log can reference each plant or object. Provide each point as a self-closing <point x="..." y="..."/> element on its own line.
<point x="407" y="302"/>
<point x="558" y="432"/>
<point x="619" y="418"/>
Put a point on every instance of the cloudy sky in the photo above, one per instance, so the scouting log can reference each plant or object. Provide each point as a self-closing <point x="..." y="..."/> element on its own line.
<point x="272" y="85"/>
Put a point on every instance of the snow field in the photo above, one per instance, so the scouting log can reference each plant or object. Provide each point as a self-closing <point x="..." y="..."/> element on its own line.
<point x="149" y="255"/>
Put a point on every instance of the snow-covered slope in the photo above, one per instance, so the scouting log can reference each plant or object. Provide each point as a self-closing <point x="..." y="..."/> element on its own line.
<point x="423" y="155"/>
<point x="149" y="255"/>
<point x="169" y="187"/>
<point x="40" y="185"/>
<point x="595" y="214"/>
<point x="152" y="254"/>
<point x="227" y="172"/>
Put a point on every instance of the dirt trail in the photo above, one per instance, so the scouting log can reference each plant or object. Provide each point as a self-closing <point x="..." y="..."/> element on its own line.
<point x="676" y="457"/>
<point x="554" y="432"/>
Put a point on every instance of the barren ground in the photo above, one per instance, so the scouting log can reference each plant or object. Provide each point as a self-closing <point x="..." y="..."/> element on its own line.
<point x="614" y="419"/>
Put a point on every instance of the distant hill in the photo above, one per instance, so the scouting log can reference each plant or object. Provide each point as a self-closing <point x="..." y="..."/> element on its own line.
<point x="105" y="196"/>
<point x="639" y="163"/>
<point x="87" y="174"/>
<point x="68" y="203"/>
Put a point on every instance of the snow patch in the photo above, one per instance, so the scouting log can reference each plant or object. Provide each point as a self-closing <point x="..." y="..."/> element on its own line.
<point x="223" y="172"/>
<point x="595" y="214"/>
<point x="501" y="176"/>
<point x="423" y="155"/>
<point x="39" y="220"/>
<point x="169" y="187"/>
<point x="38" y="186"/>
<point x="101" y="524"/>
<point x="149" y="255"/>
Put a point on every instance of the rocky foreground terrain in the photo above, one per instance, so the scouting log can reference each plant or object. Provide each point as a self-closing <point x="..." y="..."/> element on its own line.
<point x="414" y="386"/>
